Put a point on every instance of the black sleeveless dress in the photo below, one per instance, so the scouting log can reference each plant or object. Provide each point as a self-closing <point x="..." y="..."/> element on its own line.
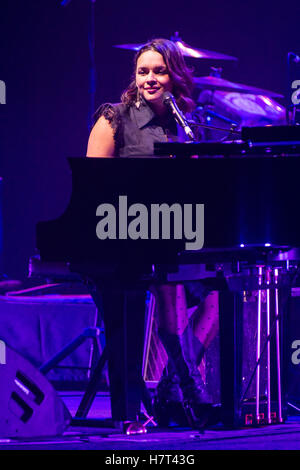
<point x="136" y="129"/>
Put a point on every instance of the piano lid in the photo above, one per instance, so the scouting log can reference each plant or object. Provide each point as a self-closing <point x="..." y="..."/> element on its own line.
<point x="247" y="202"/>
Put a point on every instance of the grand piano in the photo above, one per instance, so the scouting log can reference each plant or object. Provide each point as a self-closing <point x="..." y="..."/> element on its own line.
<point x="248" y="192"/>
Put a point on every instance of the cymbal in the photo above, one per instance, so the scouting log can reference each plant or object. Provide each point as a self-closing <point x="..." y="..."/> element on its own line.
<point x="219" y="84"/>
<point x="185" y="49"/>
<point x="201" y="53"/>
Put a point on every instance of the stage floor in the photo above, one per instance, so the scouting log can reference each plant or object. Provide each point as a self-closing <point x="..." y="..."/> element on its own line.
<point x="271" y="437"/>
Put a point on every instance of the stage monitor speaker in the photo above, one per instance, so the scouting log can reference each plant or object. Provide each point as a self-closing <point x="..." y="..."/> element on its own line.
<point x="29" y="405"/>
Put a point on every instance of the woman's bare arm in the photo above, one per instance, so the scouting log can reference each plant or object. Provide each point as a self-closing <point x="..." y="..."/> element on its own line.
<point x="101" y="141"/>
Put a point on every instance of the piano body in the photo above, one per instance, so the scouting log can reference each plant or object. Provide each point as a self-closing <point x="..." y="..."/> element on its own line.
<point x="251" y="201"/>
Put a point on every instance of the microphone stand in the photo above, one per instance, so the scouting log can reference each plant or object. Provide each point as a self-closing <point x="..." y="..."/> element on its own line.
<point x="206" y="126"/>
<point x="92" y="66"/>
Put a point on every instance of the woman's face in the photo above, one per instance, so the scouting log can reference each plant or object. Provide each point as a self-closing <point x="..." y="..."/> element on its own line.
<point x="152" y="78"/>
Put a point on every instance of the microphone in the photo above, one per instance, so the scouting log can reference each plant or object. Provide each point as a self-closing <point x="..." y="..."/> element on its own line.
<point x="169" y="101"/>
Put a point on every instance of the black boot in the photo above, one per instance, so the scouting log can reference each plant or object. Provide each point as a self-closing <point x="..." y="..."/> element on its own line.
<point x="190" y="380"/>
<point x="168" y="388"/>
<point x="193" y="351"/>
<point x="168" y="400"/>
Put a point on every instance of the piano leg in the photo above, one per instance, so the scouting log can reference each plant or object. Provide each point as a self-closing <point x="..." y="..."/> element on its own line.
<point x="231" y="333"/>
<point x="124" y="316"/>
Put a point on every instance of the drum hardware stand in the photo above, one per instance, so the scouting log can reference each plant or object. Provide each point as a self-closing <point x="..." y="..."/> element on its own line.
<point x="222" y="118"/>
<point x="90" y="332"/>
<point x="267" y="284"/>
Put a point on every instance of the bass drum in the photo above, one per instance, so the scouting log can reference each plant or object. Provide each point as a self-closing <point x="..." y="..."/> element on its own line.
<point x="222" y="109"/>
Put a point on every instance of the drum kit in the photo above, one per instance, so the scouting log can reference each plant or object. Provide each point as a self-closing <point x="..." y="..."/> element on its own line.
<point x="223" y="104"/>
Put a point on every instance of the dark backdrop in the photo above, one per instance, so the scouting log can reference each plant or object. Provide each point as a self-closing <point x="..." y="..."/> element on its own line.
<point x="44" y="61"/>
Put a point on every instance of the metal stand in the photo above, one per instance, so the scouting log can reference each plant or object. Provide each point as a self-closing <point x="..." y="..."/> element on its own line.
<point x="268" y="279"/>
<point x="268" y="406"/>
<point x="91" y="332"/>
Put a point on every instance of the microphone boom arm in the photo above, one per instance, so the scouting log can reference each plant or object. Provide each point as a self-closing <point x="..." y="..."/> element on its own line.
<point x="206" y="126"/>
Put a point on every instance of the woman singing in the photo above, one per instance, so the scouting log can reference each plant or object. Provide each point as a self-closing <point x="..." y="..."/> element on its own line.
<point x="130" y="129"/>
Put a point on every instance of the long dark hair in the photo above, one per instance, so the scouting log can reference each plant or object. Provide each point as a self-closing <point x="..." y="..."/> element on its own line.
<point x="180" y="74"/>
